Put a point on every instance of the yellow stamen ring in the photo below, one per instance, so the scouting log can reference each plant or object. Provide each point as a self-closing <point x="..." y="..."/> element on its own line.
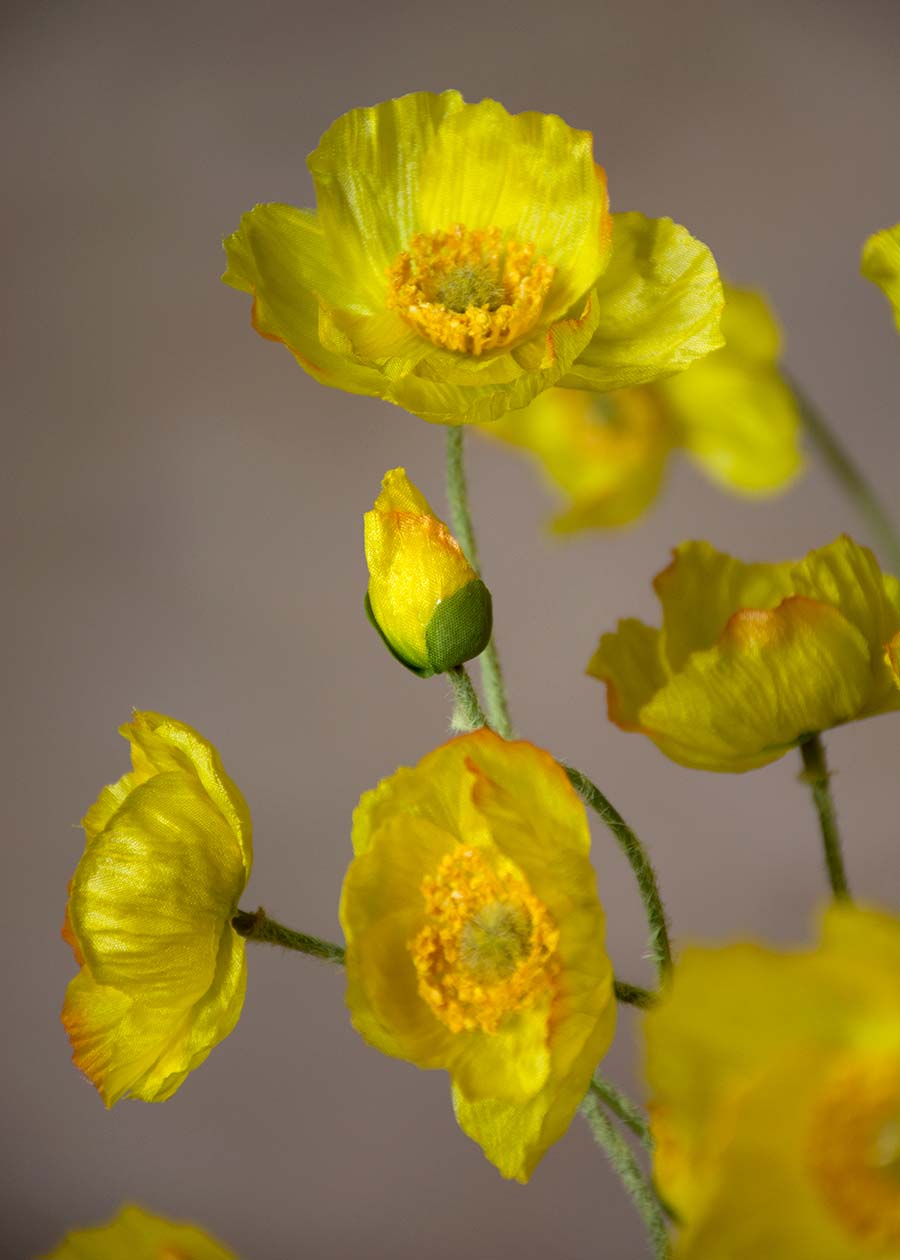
<point x="855" y="1148"/>
<point x="488" y="944"/>
<point x="468" y="290"/>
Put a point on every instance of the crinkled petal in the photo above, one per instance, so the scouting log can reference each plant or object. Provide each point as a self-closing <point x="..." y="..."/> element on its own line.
<point x="631" y="664"/>
<point x="138" y="1235"/>
<point x="367" y="172"/>
<point x="153" y="892"/>
<point x="881" y="265"/>
<point x="280" y="256"/>
<point x="126" y="1046"/>
<point x="531" y="175"/>
<point x="773" y="677"/>
<point x="703" y="587"/>
<point x="660" y="304"/>
<point x="160" y="743"/>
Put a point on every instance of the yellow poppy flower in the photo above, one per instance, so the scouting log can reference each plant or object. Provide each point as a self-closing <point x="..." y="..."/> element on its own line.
<point x="138" y="1235"/>
<point x="731" y="412"/>
<point x="881" y="265"/>
<point x="163" y="973"/>
<point x="424" y="598"/>
<point x="475" y="939"/>
<point x="753" y="658"/>
<point x="775" y="1096"/>
<point x="462" y="259"/>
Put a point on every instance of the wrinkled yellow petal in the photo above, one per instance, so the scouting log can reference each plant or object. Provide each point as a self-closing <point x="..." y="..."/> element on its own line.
<point x="530" y="174"/>
<point x="279" y="255"/>
<point x="128" y="1047"/>
<point x="773" y="677"/>
<point x="660" y="301"/>
<point x="881" y="265"/>
<point x="367" y="172"/>
<point x="134" y="1234"/>
<point x="631" y="664"/>
<point x="702" y="588"/>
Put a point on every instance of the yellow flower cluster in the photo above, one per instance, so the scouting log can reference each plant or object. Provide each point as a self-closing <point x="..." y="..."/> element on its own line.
<point x="463" y="263"/>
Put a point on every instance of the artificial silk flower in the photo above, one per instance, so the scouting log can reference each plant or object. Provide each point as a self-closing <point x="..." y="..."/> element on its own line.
<point x="163" y="973"/>
<point x="881" y="265"/>
<point x="752" y="659"/>
<point x="732" y="413"/>
<point x="424" y="598"/>
<point x="475" y="938"/>
<point x="775" y="1096"/>
<point x="138" y="1235"/>
<point x="462" y="259"/>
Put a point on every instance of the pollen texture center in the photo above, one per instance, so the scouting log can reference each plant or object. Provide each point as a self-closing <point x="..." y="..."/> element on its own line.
<point x="488" y="945"/>
<point x="855" y="1149"/>
<point x="469" y="291"/>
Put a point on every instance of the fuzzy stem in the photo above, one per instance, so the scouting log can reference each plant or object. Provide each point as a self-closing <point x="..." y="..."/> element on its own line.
<point x="255" y="925"/>
<point x="460" y="515"/>
<point x="640" y="865"/>
<point x="623" y="1161"/>
<point x="468" y="714"/>
<point x="850" y="476"/>
<point x="815" y="773"/>
<point x="622" y="1106"/>
<point x="633" y="995"/>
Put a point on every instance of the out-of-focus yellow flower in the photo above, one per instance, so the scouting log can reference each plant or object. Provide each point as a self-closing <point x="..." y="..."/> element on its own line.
<point x="775" y="1082"/>
<point x="732" y="412"/>
<point x="462" y="259"/>
<point x="753" y="658"/>
<point x="163" y="972"/>
<point x="881" y="265"/>
<point x="424" y="598"/>
<point x="138" y="1235"/>
<point x="475" y="939"/>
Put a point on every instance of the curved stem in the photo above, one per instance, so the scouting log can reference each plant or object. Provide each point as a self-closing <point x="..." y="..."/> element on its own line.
<point x="622" y="1106"/>
<point x="461" y="517"/>
<point x="636" y="854"/>
<point x="620" y="1156"/>
<point x="633" y="995"/>
<point x="849" y="475"/>
<point x="468" y="714"/>
<point x="815" y="773"/>
<point x="255" y="925"/>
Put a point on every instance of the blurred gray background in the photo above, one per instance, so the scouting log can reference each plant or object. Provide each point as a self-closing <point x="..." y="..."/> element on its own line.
<point x="183" y="514"/>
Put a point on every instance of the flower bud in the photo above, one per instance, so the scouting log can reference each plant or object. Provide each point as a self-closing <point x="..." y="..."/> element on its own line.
<point x="424" y="598"/>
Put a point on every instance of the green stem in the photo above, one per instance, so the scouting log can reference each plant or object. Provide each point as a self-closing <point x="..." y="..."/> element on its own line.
<point x="633" y="995"/>
<point x="255" y="925"/>
<point x="622" y="1106"/>
<point x="458" y="498"/>
<point x="849" y="475"/>
<point x="636" y="854"/>
<point x="815" y="772"/>
<point x="468" y="714"/>
<point x="623" y="1161"/>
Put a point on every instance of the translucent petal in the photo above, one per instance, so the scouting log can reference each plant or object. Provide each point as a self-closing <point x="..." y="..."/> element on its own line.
<point x="660" y="303"/>
<point x="139" y="1235"/>
<point x="531" y="175"/>
<point x="367" y="171"/>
